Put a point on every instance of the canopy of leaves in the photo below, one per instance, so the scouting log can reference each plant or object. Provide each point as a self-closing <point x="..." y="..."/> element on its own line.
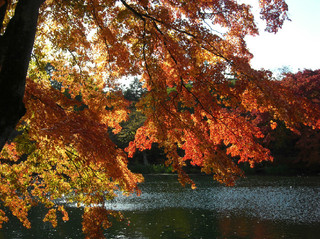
<point x="306" y="84"/>
<point x="168" y="44"/>
<point x="299" y="147"/>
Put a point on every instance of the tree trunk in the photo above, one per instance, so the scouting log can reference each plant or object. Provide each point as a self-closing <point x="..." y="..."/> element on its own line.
<point x="15" y="52"/>
<point x="145" y="159"/>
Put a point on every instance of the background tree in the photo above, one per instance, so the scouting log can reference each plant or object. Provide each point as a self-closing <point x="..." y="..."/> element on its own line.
<point x="134" y="91"/>
<point x="168" y="44"/>
<point x="306" y="83"/>
<point x="298" y="149"/>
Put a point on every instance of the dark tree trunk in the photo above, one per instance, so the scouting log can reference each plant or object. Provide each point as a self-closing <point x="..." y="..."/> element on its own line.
<point x="15" y="51"/>
<point x="145" y="158"/>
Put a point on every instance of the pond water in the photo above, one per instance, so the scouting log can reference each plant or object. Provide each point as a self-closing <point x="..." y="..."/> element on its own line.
<point x="256" y="208"/>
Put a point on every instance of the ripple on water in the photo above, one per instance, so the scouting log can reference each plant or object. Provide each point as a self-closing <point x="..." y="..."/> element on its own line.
<point x="267" y="200"/>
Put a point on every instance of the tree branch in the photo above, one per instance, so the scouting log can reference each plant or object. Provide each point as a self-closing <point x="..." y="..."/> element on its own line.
<point x="3" y="9"/>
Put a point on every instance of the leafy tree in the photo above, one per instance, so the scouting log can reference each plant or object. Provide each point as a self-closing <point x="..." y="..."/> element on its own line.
<point x="134" y="91"/>
<point x="300" y="145"/>
<point x="306" y="83"/>
<point x="91" y="44"/>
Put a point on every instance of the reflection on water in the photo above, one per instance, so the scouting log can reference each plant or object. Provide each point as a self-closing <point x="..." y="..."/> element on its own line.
<point x="258" y="207"/>
<point x="266" y="198"/>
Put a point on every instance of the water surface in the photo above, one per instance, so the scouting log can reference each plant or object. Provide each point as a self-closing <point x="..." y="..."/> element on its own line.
<point x="257" y="207"/>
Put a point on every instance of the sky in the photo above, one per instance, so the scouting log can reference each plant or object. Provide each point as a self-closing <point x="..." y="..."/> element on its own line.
<point x="296" y="45"/>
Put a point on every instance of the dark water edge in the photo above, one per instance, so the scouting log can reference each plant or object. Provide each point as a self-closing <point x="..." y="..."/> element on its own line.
<point x="184" y="223"/>
<point x="258" y="207"/>
<point x="170" y="223"/>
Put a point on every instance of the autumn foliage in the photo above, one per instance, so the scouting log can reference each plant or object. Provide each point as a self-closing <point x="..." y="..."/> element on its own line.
<point x="306" y="84"/>
<point x="194" y="48"/>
